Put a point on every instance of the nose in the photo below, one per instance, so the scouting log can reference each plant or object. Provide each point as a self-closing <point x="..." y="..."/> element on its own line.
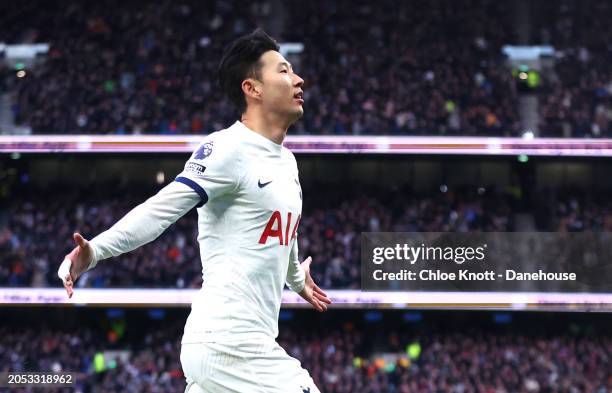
<point x="297" y="81"/>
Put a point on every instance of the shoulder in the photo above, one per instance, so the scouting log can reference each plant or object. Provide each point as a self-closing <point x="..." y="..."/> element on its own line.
<point x="219" y="145"/>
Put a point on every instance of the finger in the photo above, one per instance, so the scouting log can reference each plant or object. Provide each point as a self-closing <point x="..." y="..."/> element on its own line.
<point x="80" y="240"/>
<point x="320" y="305"/>
<point x="318" y="290"/>
<point x="321" y="295"/>
<point x="316" y="304"/>
<point x="64" y="274"/>
<point x="69" y="289"/>
<point x="307" y="263"/>
<point x="311" y="299"/>
<point x="322" y="298"/>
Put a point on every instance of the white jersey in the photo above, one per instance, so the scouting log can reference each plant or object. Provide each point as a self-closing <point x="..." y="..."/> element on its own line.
<point x="249" y="200"/>
<point x="247" y="230"/>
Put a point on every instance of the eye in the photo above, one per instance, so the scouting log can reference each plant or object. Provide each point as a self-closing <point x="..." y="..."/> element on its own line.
<point x="285" y="71"/>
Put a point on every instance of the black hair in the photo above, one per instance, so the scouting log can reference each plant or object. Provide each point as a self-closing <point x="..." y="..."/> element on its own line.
<point x="240" y="61"/>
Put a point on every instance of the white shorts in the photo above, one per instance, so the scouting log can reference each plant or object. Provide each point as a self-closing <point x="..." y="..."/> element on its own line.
<point x="260" y="366"/>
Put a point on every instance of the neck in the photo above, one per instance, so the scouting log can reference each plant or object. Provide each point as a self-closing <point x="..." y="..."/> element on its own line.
<point x="269" y="125"/>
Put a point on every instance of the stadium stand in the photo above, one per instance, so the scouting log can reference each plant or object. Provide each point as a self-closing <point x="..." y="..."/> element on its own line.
<point x="134" y="69"/>
<point x="33" y="240"/>
<point x="468" y="353"/>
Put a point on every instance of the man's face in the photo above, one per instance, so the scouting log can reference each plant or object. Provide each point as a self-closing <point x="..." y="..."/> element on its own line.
<point x="281" y="88"/>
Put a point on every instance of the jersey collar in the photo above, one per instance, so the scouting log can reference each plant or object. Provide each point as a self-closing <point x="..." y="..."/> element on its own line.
<point x="260" y="139"/>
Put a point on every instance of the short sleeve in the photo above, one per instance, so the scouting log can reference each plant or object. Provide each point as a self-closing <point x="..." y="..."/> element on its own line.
<point x="211" y="171"/>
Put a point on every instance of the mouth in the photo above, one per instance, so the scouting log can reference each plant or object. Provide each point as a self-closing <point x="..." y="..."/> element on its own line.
<point x="299" y="97"/>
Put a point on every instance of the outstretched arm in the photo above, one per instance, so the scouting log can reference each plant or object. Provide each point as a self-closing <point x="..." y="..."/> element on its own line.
<point x="146" y="221"/>
<point x="141" y="225"/>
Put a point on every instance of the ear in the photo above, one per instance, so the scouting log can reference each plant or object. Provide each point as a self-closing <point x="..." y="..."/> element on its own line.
<point x="251" y="88"/>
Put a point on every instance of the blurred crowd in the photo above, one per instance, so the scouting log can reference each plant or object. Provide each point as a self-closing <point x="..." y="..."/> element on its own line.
<point x="128" y="68"/>
<point x="125" y="67"/>
<point x="576" y="212"/>
<point x="577" y="96"/>
<point x="458" y="362"/>
<point x="419" y="67"/>
<point x="116" y="356"/>
<point x="572" y="209"/>
<point x="38" y="233"/>
<point x="36" y="230"/>
<point x="153" y="364"/>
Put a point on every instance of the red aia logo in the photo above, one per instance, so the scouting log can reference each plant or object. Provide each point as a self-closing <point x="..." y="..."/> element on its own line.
<point x="274" y="228"/>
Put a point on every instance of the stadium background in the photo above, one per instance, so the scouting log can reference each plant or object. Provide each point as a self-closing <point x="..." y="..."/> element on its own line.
<point x="125" y="73"/>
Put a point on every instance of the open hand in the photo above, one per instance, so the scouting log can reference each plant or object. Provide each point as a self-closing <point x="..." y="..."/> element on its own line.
<point x="75" y="263"/>
<point x="311" y="292"/>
